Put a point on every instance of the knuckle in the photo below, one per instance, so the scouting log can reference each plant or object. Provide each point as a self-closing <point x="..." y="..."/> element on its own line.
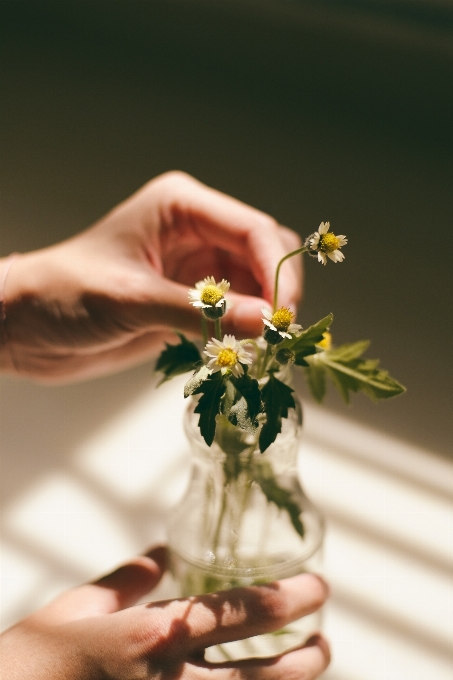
<point x="173" y="177"/>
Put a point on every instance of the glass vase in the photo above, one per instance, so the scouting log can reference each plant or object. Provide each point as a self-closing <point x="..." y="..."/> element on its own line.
<point x="245" y="520"/>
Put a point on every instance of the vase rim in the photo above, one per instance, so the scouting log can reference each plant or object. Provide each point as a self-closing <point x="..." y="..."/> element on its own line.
<point x="269" y="572"/>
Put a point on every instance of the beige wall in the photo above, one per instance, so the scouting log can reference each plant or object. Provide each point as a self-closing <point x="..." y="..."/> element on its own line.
<point x="310" y="111"/>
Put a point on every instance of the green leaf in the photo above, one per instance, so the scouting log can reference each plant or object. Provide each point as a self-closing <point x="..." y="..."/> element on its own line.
<point x="305" y="343"/>
<point x="195" y="381"/>
<point x="228" y="398"/>
<point x="277" y="398"/>
<point x="315" y="374"/>
<point x="350" y="351"/>
<point x="349" y="373"/>
<point x="239" y="414"/>
<point x="248" y="389"/>
<point x="282" y="498"/>
<point x="212" y="391"/>
<point x="177" y="359"/>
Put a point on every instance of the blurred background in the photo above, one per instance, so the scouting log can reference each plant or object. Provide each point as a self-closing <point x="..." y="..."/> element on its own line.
<point x="311" y="110"/>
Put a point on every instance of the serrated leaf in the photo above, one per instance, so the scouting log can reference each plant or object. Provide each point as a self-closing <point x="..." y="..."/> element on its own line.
<point x="277" y="399"/>
<point x="195" y="381"/>
<point x="316" y="379"/>
<point x="248" y="389"/>
<point x="305" y="344"/>
<point x="349" y="351"/>
<point x="177" y="359"/>
<point x="276" y="494"/>
<point x="357" y="374"/>
<point x="212" y="391"/>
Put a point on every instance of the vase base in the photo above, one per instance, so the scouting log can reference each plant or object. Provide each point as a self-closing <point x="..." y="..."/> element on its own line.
<point x="266" y="645"/>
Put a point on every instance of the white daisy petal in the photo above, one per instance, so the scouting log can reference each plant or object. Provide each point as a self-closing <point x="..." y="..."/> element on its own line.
<point x="322" y="257"/>
<point x="324" y="227"/>
<point x="269" y="324"/>
<point x="315" y="240"/>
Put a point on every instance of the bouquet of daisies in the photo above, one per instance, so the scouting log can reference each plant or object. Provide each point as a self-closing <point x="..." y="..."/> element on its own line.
<point x="244" y="381"/>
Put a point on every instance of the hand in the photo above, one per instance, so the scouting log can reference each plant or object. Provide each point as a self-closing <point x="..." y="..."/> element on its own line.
<point x="109" y="296"/>
<point x="93" y="633"/>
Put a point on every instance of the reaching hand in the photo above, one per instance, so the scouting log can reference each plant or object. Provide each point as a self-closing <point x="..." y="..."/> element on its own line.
<point x="109" y="296"/>
<point x="93" y="633"/>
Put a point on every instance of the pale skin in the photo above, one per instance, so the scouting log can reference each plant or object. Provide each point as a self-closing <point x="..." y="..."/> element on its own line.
<point x="106" y="299"/>
<point x="94" y="632"/>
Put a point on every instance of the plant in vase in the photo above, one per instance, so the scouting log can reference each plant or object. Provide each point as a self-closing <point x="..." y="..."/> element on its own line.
<point x="245" y="518"/>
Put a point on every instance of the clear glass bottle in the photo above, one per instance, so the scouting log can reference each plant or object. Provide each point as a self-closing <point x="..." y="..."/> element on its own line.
<point x="245" y="520"/>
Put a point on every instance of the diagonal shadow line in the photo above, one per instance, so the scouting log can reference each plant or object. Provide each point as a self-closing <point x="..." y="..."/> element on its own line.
<point x="397" y="544"/>
<point x="388" y="620"/>
<point x="36" y="551"/>
<point x="383" y="467"/>
<point x="135" y="513"/>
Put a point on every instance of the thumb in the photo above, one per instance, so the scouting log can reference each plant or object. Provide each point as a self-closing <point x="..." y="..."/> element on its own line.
<point x="118" y="590"/>
<point x="244" y="316"/>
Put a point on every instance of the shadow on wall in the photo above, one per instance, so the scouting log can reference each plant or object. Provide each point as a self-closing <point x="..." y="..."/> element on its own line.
<point x="97" y="492"/>
<point x="310" y="111"/>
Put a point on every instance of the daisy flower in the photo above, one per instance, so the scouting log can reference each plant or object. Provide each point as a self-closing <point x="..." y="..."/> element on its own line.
<point x="209" y="297"/>
<point x="227" y="356"/>
<point x="326" y="244"/>
<point x="279" y="325"/>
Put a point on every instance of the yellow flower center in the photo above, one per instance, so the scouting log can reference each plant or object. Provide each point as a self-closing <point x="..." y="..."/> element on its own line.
<point x="227" y="357"/>
<point x="211" y="295"/>
<point x="328" y="243"/>
<point x="282" y="319"/>
<point x="326" y="342"/>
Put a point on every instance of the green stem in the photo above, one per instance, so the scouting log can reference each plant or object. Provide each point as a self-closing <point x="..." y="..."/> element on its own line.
<point x="204" y="329"/>
<point x="267" y="355"/>
<point x="215" y="542"/>
<point x="218" y="329"/>
<point x="245" y="497"/>
<point x="277" y="273"/>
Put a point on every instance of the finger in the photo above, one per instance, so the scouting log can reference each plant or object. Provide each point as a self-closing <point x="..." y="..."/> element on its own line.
<point x="189" y="625"/>
<point x="227" y="223"/>
<point x="52" y="369"/>
<point x="124" y="586"/>
<point x="244" y="612"/>
<point x="304" y="663"/>
<point x="292" y="242"/>
<point x="113" y="592"/>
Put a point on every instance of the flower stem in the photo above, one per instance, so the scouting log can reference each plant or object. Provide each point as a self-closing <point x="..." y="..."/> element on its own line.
<point x="218" y="329"/>
<point x="266" y="358"/>
<point x="204" y="329"/>
<point x="277" y="273"/>
<point x="215" y="541"/>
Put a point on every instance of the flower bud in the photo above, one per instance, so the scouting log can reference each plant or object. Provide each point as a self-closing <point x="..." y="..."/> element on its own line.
<point x="285" y="356"/>
<point x="217" y="312"/>
<point x="272" y="337"/>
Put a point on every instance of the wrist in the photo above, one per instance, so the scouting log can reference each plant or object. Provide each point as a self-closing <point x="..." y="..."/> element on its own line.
<point x="26" y="306"/>
<point x="6" y="357"/>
